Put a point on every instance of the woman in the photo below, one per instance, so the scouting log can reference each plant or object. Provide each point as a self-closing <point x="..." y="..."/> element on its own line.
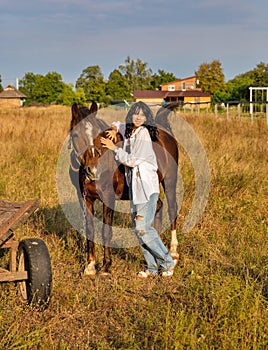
<point x="141" y="165"/>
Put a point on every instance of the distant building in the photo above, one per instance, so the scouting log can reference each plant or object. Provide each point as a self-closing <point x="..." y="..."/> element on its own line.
<point x="11" y="97"/>
<point x="181" y="85"/>
<point x="184" y="91"/>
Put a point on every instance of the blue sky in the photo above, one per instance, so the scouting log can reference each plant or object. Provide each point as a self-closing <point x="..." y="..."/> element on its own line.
<point x="66" y="36"/>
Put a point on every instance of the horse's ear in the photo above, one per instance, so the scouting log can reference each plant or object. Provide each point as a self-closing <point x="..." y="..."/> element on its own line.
<point x="75" y="111"/>
<point x="93" y="108"/>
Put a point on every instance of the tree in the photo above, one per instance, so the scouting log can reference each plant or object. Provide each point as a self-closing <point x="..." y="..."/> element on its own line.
<point x="27" y="83"/>
<point x="92" y="82"/>
<point x="260" y="75"/>
<point x="48" y="88"/>
<point x="80" y="97"/>
<point x="44" y="89"/>
<point x="210" y="77"/>
<point x="117" y="87"/>
<point x="137" y="74"/>
<point x="238" y="88"/>
<point x="159" y="78"/>
<point x="67" y="96"/>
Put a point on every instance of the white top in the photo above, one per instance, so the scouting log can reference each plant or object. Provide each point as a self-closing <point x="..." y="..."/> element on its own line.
<point x="143" y="162"/>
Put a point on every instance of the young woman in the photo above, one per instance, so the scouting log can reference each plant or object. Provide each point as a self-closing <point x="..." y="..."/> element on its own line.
<point x="140" y="162"/>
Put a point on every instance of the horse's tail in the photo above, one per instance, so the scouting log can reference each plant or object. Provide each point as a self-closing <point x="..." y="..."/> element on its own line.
<point x="162" y="115"/>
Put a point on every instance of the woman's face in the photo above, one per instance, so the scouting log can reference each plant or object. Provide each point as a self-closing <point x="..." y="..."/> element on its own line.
<point x="138" y="119"/>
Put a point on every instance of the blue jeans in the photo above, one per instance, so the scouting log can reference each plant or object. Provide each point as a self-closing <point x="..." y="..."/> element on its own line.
<point x="154" y="250"/>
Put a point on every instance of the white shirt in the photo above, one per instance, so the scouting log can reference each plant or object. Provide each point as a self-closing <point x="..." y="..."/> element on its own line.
<point x="143" y="162"/>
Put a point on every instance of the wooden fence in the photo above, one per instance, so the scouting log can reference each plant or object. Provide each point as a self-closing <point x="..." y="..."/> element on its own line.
<point x="231" y="108"/>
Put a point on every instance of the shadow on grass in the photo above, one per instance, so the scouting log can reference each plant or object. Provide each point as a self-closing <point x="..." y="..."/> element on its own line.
<point x="53" y="221"/>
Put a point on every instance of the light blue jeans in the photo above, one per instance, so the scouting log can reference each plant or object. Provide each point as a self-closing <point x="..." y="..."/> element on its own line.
<point x="154" y="250"/>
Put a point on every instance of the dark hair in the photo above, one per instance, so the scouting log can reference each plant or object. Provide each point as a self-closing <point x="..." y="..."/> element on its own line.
<point x="149" y="123"/>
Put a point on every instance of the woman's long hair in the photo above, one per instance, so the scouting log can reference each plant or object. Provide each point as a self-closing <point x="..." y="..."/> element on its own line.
<point x="149" y="122"/>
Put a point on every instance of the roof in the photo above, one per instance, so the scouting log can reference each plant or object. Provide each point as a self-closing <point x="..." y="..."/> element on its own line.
<point x="11" y="92"/>
<point x="178" y="80"/>
<point x="188" y="93"/>
<point x="149" y="94"/>
<point x="164" y="94"/>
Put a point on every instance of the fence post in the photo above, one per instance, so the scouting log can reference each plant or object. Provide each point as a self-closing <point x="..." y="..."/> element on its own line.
<point x="238" y="110"/>
<point x="227" y="111"/>
<point x="267" y="107"/>
<point x="216" y="110"/>
<point x="267" y="112"/>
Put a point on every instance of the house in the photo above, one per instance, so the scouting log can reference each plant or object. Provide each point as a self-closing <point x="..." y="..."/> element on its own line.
<point x="11" y="97"/>
<point x="185" y="84"/>
<point x="154" y="97"/>
<point x="184" y="91"/>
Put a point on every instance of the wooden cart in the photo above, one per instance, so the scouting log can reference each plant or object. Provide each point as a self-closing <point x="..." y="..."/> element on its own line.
<point x="29" y="260"/>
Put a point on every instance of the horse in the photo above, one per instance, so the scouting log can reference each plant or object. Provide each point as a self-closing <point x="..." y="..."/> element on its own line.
<point x="96" y="175"/>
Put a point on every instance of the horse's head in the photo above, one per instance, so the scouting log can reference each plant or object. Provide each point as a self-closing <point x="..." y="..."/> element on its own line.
<point x="85" y="134"/>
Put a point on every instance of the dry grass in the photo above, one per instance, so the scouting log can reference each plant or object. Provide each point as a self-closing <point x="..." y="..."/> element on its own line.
<point x="217" y="298"/>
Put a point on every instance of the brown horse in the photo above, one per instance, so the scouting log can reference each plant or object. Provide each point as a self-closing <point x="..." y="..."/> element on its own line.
<point x="96" y="175"/>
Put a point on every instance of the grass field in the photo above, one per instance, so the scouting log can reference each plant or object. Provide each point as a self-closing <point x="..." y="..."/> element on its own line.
<point x="217" y="298"/>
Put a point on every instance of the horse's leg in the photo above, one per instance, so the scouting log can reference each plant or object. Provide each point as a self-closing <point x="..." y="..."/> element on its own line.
<point x="170" y="191"/>
<point x="108" y="211"/>
<point x="90" y="269"/>
<point x="158" y="216"/>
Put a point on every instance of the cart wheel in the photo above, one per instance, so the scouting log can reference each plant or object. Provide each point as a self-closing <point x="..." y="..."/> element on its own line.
<point x="34" y="258"/>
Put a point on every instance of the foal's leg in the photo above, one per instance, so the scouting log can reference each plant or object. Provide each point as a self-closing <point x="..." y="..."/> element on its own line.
<point x="90" y="269"/>
<point x="108" y="211"/>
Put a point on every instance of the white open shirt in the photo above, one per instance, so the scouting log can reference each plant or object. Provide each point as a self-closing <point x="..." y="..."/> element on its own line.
<point x="142" y="160"/>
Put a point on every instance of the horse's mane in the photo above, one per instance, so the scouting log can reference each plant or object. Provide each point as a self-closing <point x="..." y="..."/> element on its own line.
<point x="162" y="115"/>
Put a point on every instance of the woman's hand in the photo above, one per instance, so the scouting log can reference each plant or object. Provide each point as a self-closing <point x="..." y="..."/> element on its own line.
<point x="111" y="134"/>
<point x="108" y="143"/>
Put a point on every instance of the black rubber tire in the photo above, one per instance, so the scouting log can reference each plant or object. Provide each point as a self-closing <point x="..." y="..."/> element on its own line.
<point x="34" y="258"/>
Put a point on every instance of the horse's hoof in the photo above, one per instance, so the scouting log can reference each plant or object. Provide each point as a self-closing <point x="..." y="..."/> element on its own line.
<point x="89" y="272"/>
<point x="105" y="274"/>
<point x="90" y="275"/>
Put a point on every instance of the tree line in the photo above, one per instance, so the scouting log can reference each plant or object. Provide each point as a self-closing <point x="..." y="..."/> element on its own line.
<point x="135" y="75"/>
